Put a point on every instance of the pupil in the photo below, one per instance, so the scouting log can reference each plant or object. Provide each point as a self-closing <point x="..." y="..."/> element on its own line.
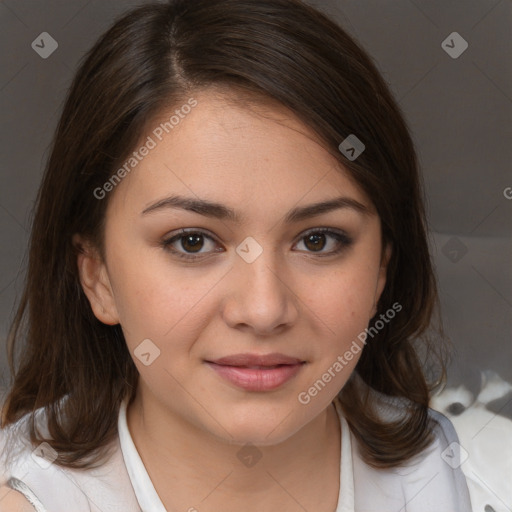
<point x="194" y="241"/>
<point x="317" y="240"/>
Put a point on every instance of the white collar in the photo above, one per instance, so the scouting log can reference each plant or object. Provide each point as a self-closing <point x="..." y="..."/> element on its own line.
<point x="149" y="501"/>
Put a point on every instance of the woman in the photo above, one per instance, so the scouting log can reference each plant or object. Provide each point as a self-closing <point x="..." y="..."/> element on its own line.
<point x="228" y="269"/>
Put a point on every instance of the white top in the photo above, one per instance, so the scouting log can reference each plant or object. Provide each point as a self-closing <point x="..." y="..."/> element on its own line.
<point x="425" y="484"/>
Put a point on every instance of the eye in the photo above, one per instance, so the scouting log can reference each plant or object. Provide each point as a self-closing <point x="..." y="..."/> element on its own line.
<point x="194" y="244"/>
<point x="318" y="239"/>
<point x="191" y="241"/>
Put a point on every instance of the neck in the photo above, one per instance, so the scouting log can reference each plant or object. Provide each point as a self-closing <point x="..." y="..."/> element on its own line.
<point x="191" y="467"/>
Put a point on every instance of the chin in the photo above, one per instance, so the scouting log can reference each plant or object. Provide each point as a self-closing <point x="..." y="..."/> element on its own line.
<point x="251" y="436"/>
<point x="260" y="428"/>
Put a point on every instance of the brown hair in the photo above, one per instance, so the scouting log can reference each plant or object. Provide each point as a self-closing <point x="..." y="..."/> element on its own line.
<point x="153" y="57"/>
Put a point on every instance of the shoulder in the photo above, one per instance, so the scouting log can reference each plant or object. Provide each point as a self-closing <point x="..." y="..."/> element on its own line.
<point x="432" y="480"/>
<point x="13" y="501"/>
<point x="27" y="472"/>
<point x="15" y="448"/>
<point x="34" y="468"/>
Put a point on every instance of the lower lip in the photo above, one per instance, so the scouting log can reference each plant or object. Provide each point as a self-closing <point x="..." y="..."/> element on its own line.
<point x="252" y="379"/>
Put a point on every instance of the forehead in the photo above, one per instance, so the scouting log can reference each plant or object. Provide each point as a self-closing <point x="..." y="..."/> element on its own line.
<point x="238" y="154"/>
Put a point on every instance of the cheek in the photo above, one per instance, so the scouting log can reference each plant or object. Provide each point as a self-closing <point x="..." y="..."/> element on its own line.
<point x="344" y="299"/>
<point x="155" y="300"/>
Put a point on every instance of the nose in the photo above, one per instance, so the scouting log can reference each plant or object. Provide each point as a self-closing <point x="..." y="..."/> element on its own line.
<point x="260" y="299"/>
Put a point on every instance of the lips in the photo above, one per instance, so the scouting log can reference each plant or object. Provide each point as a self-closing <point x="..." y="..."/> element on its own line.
<point x="254" y="360"/>
<point x="253" y="372"/>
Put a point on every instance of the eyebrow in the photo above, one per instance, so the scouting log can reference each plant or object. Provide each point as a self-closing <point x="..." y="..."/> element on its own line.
<point x="222" y="212"/>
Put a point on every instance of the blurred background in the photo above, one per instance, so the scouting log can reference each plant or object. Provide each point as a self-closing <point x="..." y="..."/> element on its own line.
<point x="449" y="64"/>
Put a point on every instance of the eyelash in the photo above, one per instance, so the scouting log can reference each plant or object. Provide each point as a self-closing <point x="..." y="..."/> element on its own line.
<point x="342" y="239"/>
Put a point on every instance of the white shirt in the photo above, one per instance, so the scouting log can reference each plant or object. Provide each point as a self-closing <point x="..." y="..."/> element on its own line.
<point x="425" y="484"/>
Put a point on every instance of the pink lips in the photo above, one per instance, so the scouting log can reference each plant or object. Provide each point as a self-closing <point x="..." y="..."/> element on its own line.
<point x="257" y="373"/>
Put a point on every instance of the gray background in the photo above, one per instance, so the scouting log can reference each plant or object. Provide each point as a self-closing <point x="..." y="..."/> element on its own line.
<point x="459" y="111"/>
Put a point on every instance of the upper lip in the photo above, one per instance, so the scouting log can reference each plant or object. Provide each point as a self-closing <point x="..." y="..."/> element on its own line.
<point x="256" y="360"/>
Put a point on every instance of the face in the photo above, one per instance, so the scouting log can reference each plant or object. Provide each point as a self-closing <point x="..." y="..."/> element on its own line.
<point x="234" y="292"/>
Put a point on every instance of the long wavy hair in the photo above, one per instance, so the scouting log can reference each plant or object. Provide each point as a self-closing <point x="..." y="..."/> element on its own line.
<point x="63" y="359"/>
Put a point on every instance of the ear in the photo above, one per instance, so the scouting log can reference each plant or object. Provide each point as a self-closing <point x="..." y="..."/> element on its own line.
<point x="95" y="281"/>
<point x="381" y="279"/>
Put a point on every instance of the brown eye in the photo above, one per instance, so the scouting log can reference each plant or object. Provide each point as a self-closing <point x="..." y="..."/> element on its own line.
<point x="323" y="238"/>
<point x="192" y="243"/>
<point x="315" y="241"/>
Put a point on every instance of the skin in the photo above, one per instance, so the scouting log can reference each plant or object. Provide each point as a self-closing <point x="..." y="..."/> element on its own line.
<point x="13" y="501"/>
<point x="188" y="423"/>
